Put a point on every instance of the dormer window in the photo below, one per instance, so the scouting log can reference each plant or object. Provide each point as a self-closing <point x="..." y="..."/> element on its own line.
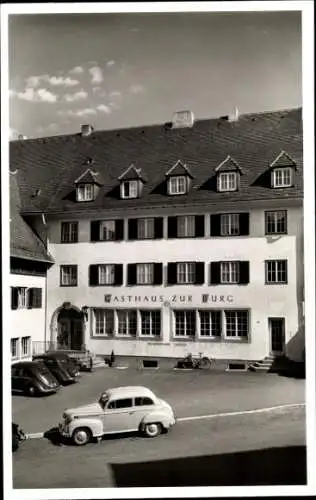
<point x="227" y="181"/>
<point x="282" y="177"/>
<point x="178" y="179"/>
<point x="228" y="174"/>
<point x="85" y="192"/>
<point x="129" y="189"/>
<point x="177" y="185"/>
<point x="131" y="182"/>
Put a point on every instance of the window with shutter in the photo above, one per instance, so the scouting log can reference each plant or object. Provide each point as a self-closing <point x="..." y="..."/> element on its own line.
<point x="244" y="272"/>
<point x="215" y="269"/>
<point x="131" y="274"/>
<point x="118" y="280"/>
<point x="95" y="233"/>
<point x="157" y="274"/>
<point x="172" y="227"/>
<point x="145" y="274"/>
<point x="199" y="226"/>
<point x="158" y="227"/>
<point x="93" y="275"/>
<point x="14" y="297"/>
<point x="172" y="273"/>
<point x="199" y="273"/>
<point x="215" y="225"/>
<point x="132" y="229"/>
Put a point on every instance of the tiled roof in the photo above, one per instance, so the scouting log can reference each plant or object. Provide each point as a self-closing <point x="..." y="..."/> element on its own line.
<point x="254" y="141"/>
<point x="283" y="160"/>
<point x="179" y="168"/>
<point x="89" y="177"/>
<point x="228" y="165"/>
<point x="132" y="174"/>
<point x="24" y="244"/>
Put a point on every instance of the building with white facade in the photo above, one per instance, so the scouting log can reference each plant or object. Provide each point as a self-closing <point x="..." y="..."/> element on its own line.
<point x="29" y="261"/>
<point x="175" y="238"/>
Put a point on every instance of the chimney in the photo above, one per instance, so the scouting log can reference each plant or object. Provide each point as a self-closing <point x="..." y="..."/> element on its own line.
<point x="234" y="116"/>
<point x="86" y="130"/>
<point x="183" y="119"/>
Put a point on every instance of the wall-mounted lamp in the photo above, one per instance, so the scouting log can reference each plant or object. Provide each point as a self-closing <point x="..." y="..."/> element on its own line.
<point x="84" y="311"/>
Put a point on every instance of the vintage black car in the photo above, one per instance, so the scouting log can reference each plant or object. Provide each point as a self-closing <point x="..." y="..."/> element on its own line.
<point x="33" y="378"/>
<point x="63" y="369"/>
<point x="17" y="436"/>
<point x="82" y="358"/>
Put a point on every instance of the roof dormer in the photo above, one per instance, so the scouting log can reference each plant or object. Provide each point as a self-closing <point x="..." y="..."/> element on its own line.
<point x="179" y="179"/>
<point x="282" y="171"/>
<point x="228" y="175"/>
<point x="131" y="182"/>
<point x="87" y="186"/>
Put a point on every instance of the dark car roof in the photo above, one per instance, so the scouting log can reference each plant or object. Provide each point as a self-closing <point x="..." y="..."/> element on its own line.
<point x="52" y="354"/>
<point x="28" y="364"/>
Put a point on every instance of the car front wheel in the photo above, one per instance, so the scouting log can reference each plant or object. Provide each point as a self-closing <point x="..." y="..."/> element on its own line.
<point x="153" y="430"/>
<point x="81" y="436"/>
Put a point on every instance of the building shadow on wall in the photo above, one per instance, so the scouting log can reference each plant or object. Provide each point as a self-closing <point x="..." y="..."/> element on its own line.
<point x="292" y="365"/>
<point x="267" y="467"/>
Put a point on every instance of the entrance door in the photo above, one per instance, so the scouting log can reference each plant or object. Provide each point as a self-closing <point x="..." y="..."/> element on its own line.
<point x="76" y="334"/>
<point x="277" y="335"/>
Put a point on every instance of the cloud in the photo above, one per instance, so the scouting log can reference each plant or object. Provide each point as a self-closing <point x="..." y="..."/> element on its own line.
<point x="96" y="75"/>
<point x="34" y="81"/>
<point x="78" y="112"/>
<point x="96" y="89"/>
<point x="32" y="95"/>
<point x="136" y="88"/>
<point x="62" y="81"/>
<point x="76" y="97"/>
<point x="77" y="70"/>
<point x="104" y="109"/>
<point x="110" y="63"/>
<point x="46" y="95"/>
<point x="115" y="94"/>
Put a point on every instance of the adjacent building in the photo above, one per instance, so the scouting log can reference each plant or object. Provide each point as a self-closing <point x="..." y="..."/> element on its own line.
<point x="29" y="262"/>
<point x="174" y="238"/>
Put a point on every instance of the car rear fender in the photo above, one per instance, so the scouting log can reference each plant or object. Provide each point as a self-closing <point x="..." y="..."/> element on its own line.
<point x="156" y="416"/>
<point x="94" y="425"/>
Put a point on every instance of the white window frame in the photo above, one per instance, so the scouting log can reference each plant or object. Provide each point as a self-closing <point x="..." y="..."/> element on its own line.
<point x="152" y="315"/>
<point x="107" y="228"/>
<point x="230" y="272"/>
<point x="146" y="228"/>
<point x="104" y="322"/>
<point x="25" y="342"/>
<point x="272" y="269"/>
<point x="68" y="275"/>
<point x="227" y="181"/>
<point x="282" y="177"/>
<point x="177" y="185"/>
<point x="230" y="224"/>
<point x="145" y="274"/>
<point x="212" y="315"/>
<point x="237" y="319"/>
<point x="186" y="273"/>
<point x="106" y="274"/>
<point x="132" y="187"/>
<point x="272" y="222"/>
<point x="85" y="192"/>
<point x="185" y="226"/>
<point x="23" y="299"/>
<point x="15" y="342"/>
<point x="69" y="232"/>
<point x="128" y="316"/>
<point x="185" y="312"/>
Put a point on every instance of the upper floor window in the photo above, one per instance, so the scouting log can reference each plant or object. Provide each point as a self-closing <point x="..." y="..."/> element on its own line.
<point x="227" y="181"/>
<point x="186" y="226"/>
<point x="68" y="275"/>
<point x="129" y="189"/>
<point x="144" y="274"/>
<point x="106" y="274"/>
<point x="276" y="222"/>
<point x="282" y="177"/>
<point x="107" y="230"/>
<point x="229" y="272"/>
<point x="185" y="273"/>
<point x="230" y="224"/>
<point x="69" y="232"/>
<point x="22" y="298"/>
<point x="85" y="192"/>
<point x="276" y="271"/>
<point x="144" y="229"/>
<point x="177" y="185"/>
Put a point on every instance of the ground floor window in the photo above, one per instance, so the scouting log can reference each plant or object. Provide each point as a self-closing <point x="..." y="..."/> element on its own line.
<point x="127" y="322"/>
<point x="15" y="348"/>
<point x="203" y="324"/>
<point x="25" y="346"/>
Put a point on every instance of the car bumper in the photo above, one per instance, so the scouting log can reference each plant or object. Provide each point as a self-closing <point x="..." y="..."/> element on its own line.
<point x="63" y="429"/>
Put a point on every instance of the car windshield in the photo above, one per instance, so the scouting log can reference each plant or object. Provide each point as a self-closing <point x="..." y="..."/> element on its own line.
<point x="104" y="398"/>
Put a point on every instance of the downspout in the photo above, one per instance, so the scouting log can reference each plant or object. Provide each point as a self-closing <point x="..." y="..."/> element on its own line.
<point x="45" y="242"/>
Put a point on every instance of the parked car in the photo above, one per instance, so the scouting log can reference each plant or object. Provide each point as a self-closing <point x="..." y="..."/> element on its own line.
<point x="17" y="436"/>
<point x="118" y="410"/>
<point x="33" y="378"/>
<point x="60" y="366"/>
<point x="82" y="358"/>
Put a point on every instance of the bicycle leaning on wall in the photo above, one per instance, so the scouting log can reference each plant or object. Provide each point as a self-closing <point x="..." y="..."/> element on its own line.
<point x="195" y="362"/>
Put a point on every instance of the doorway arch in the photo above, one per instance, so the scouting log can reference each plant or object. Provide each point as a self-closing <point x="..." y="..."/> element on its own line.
<point x="70" y="329"/>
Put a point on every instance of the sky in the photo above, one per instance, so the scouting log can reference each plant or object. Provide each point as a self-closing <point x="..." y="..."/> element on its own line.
<point x="124" y="70"/>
